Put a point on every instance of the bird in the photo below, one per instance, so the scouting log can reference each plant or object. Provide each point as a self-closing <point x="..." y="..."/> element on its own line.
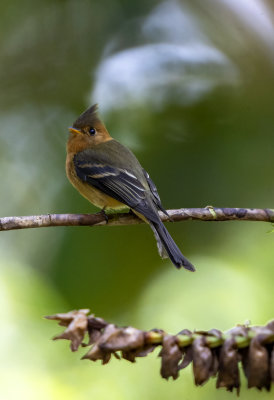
<point x="109" y="176"/>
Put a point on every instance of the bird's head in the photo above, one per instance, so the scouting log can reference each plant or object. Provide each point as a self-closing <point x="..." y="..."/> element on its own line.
<point x="87" y="131"/>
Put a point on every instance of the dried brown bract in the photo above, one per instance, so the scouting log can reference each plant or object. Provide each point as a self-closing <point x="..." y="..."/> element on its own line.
<point x="76" y="322"/>
<point x="212" y="353"/>
<point x="171" y="356"/>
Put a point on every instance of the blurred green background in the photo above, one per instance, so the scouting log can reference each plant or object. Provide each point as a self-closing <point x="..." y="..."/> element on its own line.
<point x="188" y="85"/>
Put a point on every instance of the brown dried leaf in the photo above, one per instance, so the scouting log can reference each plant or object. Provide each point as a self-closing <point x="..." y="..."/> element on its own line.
<point x="124" y="339"/>
<point x="202" y="361"/>
<point x="142" y="352"/>
<point x="171" y="355"/>
<point x="96" y="323"/>
<point x="186" y="332"/>
<point x="188" y="357"/>
<point x="270" y="325"/>
<point x="94" y="335"/>
<point x="114" y="339"/>
<point x="215" y="332"/>
<point x="96" y="352"/>
<point x="215" y="362"/>
<point x="228" y="375"/>
<point x="95" y="329"/>
<point x="76" y="322"/>
<point x="239" y="330"/>
<point x="256" y="360"/>
<point x="66" y="318"/>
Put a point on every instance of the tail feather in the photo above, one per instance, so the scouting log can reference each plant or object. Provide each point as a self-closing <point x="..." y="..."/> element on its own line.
<point x="167" y="246"/>
<point x="161" y="249"/>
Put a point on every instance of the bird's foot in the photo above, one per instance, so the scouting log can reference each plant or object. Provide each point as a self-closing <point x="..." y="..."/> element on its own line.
<point x="104" y="214"/>
<point x="170" y="218"/>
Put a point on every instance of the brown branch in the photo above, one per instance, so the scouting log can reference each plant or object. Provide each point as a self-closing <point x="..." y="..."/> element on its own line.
<point x="212" y="353"/>
<point x="183" y="214"/>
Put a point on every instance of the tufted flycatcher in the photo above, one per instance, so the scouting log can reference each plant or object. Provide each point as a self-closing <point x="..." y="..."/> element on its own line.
<point x="109" y="175"/>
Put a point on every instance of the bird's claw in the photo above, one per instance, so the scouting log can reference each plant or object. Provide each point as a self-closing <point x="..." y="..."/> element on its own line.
<point x="104" y="214"/>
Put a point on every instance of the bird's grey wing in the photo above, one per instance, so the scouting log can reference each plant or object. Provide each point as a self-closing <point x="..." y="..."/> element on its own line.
<point x="118" y="183"/>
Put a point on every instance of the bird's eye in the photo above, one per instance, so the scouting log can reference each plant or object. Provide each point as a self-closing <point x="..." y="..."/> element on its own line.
<point x="92" y="131"/>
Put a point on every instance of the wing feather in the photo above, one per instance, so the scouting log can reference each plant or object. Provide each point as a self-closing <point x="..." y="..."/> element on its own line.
<point x="118" y="183"/>
<point x="154" y="192"/>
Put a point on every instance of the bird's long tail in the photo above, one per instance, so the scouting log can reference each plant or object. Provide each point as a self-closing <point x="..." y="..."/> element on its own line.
<point x="167" y="247"/>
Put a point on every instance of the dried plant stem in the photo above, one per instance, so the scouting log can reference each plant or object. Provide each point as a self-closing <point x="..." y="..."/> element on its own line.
<point x="99" y="219"/>
<point x="212" y="353"/>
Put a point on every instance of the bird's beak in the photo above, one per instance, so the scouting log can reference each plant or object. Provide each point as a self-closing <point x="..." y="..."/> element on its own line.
<point x="74" y="130"/>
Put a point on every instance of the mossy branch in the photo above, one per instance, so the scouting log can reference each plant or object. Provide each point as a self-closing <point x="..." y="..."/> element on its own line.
<point x="99" y="219"/>
<point x="212" y="353"/>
